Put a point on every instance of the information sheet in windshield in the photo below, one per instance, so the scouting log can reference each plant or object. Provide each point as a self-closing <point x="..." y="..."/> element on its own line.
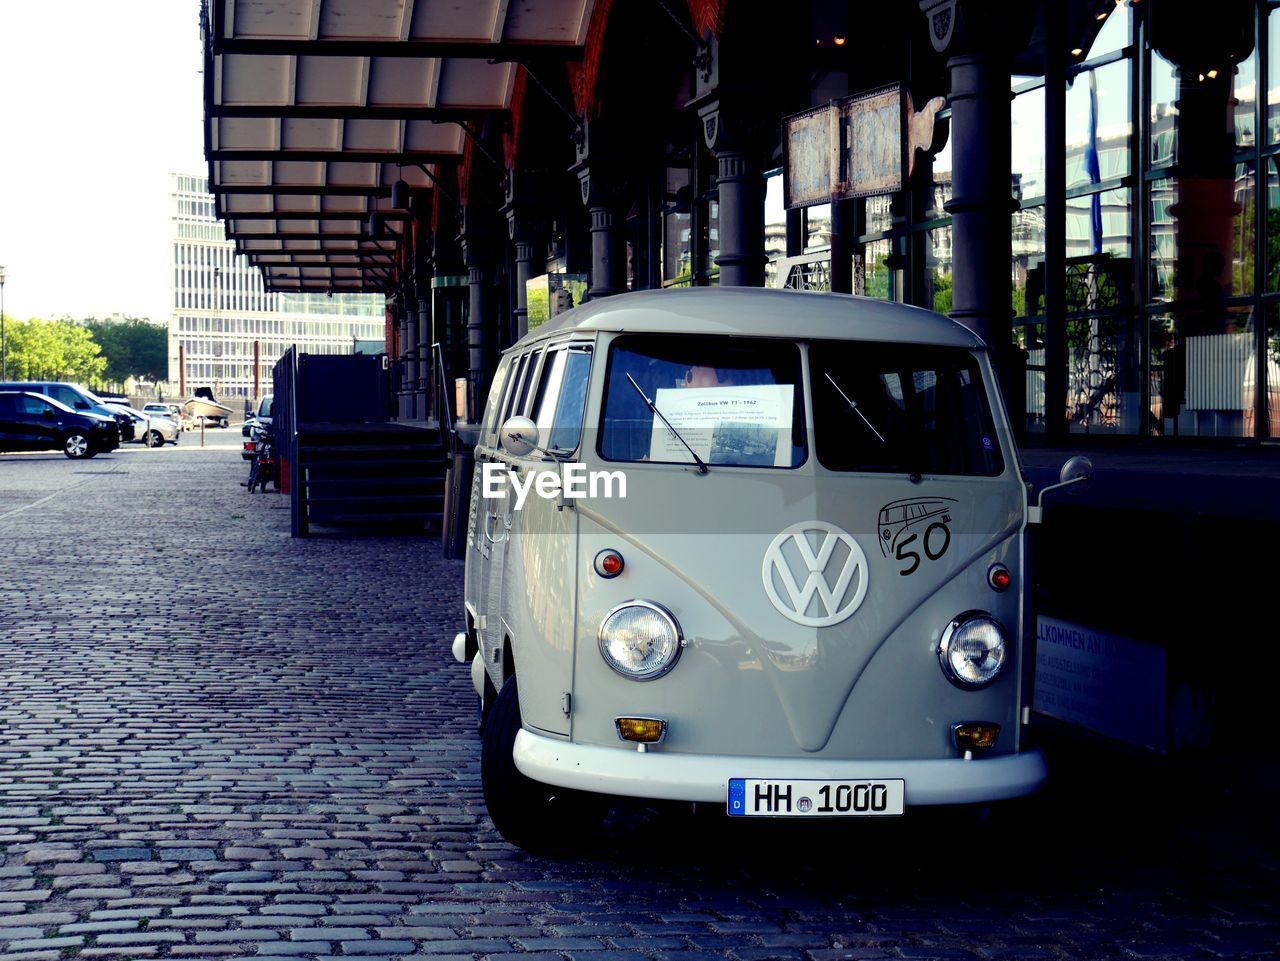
<point x="746" y="426"/>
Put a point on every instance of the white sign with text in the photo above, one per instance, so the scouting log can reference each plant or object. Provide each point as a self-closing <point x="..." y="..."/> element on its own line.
<point x="725" y="425"/>
<point x="1108" y="683"/>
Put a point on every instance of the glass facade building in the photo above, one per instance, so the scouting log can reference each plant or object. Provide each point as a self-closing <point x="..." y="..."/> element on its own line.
<point x="1167" y="321"/>
<point x="220" y="309"/>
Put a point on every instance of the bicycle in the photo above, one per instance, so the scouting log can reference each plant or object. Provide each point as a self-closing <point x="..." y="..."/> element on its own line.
<point x="263" y="468"/>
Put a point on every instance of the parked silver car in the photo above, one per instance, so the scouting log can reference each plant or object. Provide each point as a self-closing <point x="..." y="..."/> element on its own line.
<point x="152" y="428"/>
<point x="171" y="411"/>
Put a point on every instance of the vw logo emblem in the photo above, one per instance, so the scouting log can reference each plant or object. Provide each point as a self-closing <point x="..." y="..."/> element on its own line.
<point x="815" y="574"/>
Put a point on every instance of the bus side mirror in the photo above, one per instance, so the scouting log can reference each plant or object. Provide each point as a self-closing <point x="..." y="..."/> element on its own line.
<point x="519" y="436"/>
<point x="1075" y="470"/>
<point x="1078" y="468"/>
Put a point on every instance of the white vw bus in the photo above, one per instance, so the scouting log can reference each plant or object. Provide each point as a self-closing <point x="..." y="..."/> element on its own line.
<point x="755" y="548"/>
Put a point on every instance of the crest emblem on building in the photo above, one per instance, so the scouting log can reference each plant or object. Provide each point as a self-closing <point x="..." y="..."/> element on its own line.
<point x="942" y="21"/>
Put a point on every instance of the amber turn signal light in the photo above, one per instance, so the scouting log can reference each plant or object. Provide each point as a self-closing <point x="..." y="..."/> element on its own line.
<point x="641" y="730"/>
<point x="975" y="735"/>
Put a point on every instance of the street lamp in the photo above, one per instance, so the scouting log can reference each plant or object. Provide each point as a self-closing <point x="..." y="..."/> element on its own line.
<point x="4" y="345"/>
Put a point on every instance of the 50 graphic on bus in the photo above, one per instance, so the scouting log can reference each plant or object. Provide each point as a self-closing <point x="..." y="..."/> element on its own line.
<point x="914" y="527"/>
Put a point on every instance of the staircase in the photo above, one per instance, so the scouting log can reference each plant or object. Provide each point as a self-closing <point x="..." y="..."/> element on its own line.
<point x="367" y="475"/>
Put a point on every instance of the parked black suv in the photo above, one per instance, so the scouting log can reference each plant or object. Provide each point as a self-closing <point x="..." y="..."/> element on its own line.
<point x="31" y="421"/>
<point x="75" y="397"/>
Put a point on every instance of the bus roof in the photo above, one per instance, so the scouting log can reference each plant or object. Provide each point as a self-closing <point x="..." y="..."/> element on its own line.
<point x="759" y="312"/>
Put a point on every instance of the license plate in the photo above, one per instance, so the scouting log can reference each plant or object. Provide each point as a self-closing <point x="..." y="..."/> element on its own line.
<point x="765" y="797"/>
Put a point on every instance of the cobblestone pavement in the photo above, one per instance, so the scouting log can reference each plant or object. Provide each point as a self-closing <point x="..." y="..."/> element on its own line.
<point x="217" y="741"/>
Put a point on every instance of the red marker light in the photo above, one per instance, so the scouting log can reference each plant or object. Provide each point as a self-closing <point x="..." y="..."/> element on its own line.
<point x="999" y="577"/>
<point x="609" y="563"/>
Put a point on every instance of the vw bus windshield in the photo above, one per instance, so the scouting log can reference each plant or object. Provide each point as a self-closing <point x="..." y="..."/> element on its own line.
<point x="901" y="409"/>
<point x="737" y="402"/>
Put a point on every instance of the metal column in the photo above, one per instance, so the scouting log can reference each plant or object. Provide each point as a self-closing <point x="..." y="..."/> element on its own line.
<point x="741" y="194"/>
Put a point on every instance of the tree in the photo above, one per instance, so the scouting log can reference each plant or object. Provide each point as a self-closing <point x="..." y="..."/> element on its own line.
<point x="132" y="347"/>
<point x="53" y="350"/>
<point x="942" y="293"/>
<point x="539" y="305"/>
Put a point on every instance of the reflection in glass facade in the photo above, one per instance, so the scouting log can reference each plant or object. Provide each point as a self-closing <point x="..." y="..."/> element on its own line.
<point x="1028" y="254"/>
<point x="1100" y="223"/>
<point x="1027" y="116"/>
<point x="817" y="227"/>
<point x="677" y="231"/>
<point x="691" y="223"/>
<point x="935" y="173"/>
<point x="1099" y="127"/>
<point x="1172" y="215"/>
<point x="775" y="225"/>
<point x="1262" y="386"/>
<point x="938" y="270"/>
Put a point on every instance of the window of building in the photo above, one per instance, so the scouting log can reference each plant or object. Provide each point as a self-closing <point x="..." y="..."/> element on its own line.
<point x="677" y="221"/>
<point x="1210" y="283"/>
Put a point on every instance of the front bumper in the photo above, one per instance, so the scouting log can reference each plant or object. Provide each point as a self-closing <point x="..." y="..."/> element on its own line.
<point x="701" y="777"/>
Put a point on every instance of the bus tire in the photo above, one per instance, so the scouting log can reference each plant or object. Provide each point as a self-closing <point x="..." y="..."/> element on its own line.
<point x="540" y="818"/>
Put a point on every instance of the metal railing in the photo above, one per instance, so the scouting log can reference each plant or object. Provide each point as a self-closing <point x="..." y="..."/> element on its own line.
<point x="444" y="413"/>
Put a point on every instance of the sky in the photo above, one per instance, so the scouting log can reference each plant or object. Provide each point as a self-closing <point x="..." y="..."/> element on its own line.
<point x="99" y="103"/>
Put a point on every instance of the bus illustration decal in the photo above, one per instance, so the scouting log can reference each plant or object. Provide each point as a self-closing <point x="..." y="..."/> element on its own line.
<point x="915" y="525"/>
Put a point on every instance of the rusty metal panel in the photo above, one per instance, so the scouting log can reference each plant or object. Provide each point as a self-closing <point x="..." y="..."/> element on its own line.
<point x="809" y="144"/>
<point x="860" y="146"/>
<point x="871" y="155"/>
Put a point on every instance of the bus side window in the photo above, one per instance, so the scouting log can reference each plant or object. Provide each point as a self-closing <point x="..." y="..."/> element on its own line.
<point x="566" y="430"/>
<point x="562" y="396"/>
<point x="489" y="429"/>
<point x="530" y="372"/>
<point x="517" y="377"/>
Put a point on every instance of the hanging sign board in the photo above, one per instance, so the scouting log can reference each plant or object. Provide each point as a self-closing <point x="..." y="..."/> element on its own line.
<point x="870" y="150"/>
<point x="856" y="147"/>
<point x="809" y="141"/>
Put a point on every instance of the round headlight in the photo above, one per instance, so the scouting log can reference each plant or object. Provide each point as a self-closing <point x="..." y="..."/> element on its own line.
<point x="640" y="640"/>
<point x="973" y="650"/>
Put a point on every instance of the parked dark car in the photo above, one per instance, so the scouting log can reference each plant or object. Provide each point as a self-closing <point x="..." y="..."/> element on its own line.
<point x="34" y="421"/>
<point x="260" y="415"/>
<point x="77" y="398"/>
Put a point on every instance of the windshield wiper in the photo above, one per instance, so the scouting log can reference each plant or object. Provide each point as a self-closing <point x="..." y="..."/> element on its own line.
<point x="702" y="467"/>
<point x="854" y="407"/>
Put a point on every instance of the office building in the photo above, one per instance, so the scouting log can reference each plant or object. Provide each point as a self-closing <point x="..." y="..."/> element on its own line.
<point x="220" y="308"/>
